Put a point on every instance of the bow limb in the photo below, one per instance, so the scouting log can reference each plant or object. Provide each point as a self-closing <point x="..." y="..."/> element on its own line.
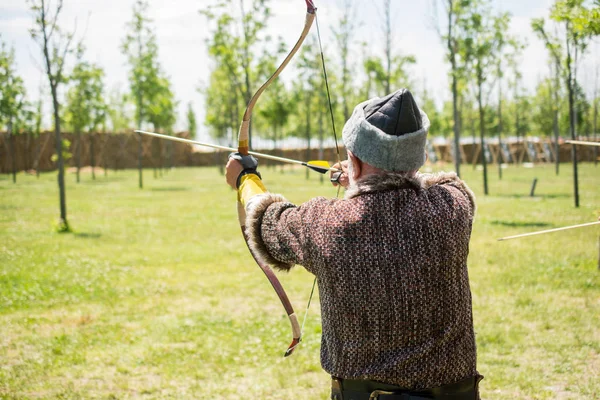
<point x="244" y="148"/>
<point x="243" y="136"/>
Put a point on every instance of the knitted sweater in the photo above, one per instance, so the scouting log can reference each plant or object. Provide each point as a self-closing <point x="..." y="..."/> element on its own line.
<point x="391" y="264"/>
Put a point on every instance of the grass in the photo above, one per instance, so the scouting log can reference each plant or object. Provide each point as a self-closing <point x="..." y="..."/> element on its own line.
<point x="155" y="296"/>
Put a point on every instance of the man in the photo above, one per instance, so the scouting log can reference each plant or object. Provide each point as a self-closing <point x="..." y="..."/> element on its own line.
<point x="390" y="259"/>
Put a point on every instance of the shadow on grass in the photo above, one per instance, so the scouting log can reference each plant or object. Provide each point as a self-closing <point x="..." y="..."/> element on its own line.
<point x="519" y="224"/>
<point x="101" y="180"/>
<point x="87" y="235"/>
<point x="170" y="189"/>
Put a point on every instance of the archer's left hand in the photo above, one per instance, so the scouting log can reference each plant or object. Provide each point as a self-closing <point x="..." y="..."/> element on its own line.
<point x="239" y="165"/>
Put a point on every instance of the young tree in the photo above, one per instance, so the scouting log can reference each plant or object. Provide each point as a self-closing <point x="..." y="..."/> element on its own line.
<point x="141" y="50"/>
<point x="596" y="101"/>
<point x="455" y="11"/>
<point x="508" y="48"/>
<point x="343" y="38"/>
<point x="234" y="45"/>
<point x="568" y="14"/>
<point x="162" y="114"/>
<point x="85" y="107"/>
<point x="118" y="111"/>
<point x="482" y="42"/>
<point x="56" y="46"/>
<point x="307" y="89"/>
<point x="277" y="105"/>
<point x="391" y="71"/>
<point x="37" y="130"/>
<point x="12" y="99"/>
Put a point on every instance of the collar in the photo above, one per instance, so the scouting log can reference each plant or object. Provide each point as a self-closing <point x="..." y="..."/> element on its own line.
<point x="394" y="181"/>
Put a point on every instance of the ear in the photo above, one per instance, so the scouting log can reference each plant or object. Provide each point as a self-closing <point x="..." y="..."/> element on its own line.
<point x="356" y="165"/>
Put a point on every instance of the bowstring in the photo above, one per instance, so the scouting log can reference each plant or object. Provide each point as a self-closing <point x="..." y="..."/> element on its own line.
<point x="337" y="148"/>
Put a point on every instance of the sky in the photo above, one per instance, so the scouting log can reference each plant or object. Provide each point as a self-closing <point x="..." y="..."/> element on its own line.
<point x="182" y="32"/>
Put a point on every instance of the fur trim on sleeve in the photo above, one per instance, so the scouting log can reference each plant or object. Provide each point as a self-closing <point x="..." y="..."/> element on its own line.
<point x="255" y="210"/>
<point x="441" y="178"/>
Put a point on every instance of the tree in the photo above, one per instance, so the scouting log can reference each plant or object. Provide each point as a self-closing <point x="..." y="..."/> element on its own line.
<point x="428" y="105"/>
<point x="455" y="11"/>
<point x="393" y="69"/>
<point x="234" y="45"/>
<point x="118" y="111"/>
<point x="85" y="107"/>
<point x="162" y="114"/>
<point x="141" y="50"/>
<point x="307" y="91"/>
<point x="596" y="100"/>
<point x="343" y="38"/>
<point x="37" y="130"/>
<point x="277" y="105"/>
<point x="483" y="44"/>
<point x="508" y="48"/>
<point x="191" y="120"/>
<point x="55" y="45"/>
<point x="569" y="14"/>
<point x="12" y="99"/>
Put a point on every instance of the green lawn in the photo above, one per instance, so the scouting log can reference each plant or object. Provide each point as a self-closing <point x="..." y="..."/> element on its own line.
<point x="155" y="296"/>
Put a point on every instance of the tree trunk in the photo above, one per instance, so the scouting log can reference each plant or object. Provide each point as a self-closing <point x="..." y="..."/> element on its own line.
<point x="596" y="129"/>
<point x="92" y="155"/>
<point x="64" y="225"/>
<point x="452" y="51"/>
<point x="27" y="157"/>
<point x="572" y="121"/>
<point x="482" y="136"/>
<point x="499" y="127"/>
<point x="473" y="134"/>
<point x="169" y="156"/>
<point x="13" y="155"/>
<point x="153" y="152"/>
<point x="388" y="46"/>
<point x="140" y="155"/>
<point x="105" y="156"/>
<point x="78" y="154"/>
<point x="555" y="119"/>
<point x="246" y="68"/>
<point x="38" y="146"/>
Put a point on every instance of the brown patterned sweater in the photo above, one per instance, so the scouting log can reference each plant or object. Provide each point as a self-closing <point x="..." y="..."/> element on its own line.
<point x="391" y="264"/>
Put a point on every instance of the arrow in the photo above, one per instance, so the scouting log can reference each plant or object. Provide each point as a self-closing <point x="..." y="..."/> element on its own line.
<point x="550" y="230"/>
<point x="321" y="167"/>
<point x="582" y="143"/>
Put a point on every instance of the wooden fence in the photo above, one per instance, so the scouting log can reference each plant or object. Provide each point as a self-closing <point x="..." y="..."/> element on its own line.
<point x="120" y="151"/>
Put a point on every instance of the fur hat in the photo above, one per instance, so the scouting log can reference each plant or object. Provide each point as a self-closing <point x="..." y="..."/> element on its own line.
<point x="389" y="133"/>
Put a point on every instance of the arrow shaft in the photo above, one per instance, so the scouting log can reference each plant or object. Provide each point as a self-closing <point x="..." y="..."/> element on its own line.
<point x="216" y="146"/>
<point x="550" y="231"/>
<point x="582" y="143"/>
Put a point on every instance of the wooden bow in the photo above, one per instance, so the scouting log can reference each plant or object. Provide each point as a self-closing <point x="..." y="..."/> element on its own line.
<point x="243" y="148"/>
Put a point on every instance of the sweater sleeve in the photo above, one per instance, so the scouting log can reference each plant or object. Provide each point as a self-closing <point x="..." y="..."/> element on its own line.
<point x="283" y="234"/>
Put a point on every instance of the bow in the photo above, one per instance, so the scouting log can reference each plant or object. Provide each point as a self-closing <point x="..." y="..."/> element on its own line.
<point x="243" y="148"/>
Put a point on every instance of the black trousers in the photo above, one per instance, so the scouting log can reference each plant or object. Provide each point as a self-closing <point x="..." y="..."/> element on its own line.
<point x="353" y="389"/>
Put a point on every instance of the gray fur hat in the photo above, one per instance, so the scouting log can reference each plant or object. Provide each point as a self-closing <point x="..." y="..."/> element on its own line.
<point x="388" y="133"/>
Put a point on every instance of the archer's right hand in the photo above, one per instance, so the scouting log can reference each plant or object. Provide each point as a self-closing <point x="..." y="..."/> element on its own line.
<point x="340" y="178"/>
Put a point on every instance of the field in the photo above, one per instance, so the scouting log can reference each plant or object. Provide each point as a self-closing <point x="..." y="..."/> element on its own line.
<point x="154" y="295"/>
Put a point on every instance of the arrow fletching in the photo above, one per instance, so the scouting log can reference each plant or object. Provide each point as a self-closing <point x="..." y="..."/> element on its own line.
<point x="321" y="167"/>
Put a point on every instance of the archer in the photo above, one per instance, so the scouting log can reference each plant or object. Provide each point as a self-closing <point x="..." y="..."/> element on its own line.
<point x="390" y="259"/>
